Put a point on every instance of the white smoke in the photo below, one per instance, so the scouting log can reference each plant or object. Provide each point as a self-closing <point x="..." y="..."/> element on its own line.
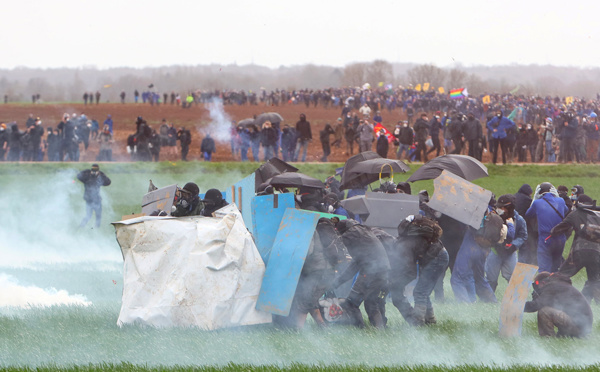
<point x="220" y="122"/>
<point x="12" y="294"/>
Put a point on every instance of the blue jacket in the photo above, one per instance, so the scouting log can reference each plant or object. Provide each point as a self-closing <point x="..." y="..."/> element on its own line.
<point x="520" y="231"/>
<point x="498" y="127"/>
<point x="546" y="215"/>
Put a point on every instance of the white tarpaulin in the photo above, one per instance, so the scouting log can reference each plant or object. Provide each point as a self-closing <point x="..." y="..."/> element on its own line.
<point x="192" y="271"/>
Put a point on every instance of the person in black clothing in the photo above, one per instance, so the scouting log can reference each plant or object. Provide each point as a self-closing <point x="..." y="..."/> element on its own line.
<point x="207" y="147"/>
<point x="304" y="137"/>
<point x="435" y="125"/>
<point x="473" y="133"/>
<point x="585" y="251"/>
<point x="52" y="145"/>
<point x="417" y="244"/>
<point x="383" y="145"/>
<point x="185" y="139"/>
<point x="213" y="200"/>
<point x="528" y="251"/>
<point x="122" y="95"/>
<point x="154" y="145"/>
<point x="456" y="132"/>
<point x="14" y="143"/>
<point x="36" y="133"/>
<point x="92" y="180"/>
<point x="421" y="131"/>
<point x="350" y="136"/>
<point x="188" y="202"/>
<point x="369" y="258"/>
<point x="324" y="138"/>
<point x="560" y="305"/>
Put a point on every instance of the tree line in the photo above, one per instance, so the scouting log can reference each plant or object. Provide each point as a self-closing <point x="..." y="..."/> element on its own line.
<point x="69" y="84"/>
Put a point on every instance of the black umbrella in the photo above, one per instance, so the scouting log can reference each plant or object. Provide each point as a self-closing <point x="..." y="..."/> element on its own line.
<point x="353" y="180"/>
<point x="271" y="168"/>
<point x="295" y="179"/>
<point x="246" y="122"/>
<point x="380" y="165"/>
<point x="273" y="117"/>
<point x="464" y="166"/>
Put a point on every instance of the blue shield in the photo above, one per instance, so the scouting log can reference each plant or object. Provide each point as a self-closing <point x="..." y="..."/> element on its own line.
<point x="267" y="212"/>
<point x="286" y="261"/>
<point x="242" y="194"/>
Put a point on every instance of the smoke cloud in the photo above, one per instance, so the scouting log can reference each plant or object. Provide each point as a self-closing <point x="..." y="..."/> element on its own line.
<point x="220" y="121"/>
<point x="12" y="294"/>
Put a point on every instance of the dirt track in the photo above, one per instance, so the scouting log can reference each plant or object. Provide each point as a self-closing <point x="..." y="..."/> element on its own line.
<point x="124" y="116"/>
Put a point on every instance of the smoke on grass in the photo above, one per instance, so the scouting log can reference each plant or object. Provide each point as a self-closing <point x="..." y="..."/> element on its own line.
<point x="13" y="294"/>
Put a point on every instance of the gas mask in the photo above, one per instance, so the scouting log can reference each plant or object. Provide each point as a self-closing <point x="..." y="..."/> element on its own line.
<point x="499" y="211"/>
<point x="498" y="116"/>
<point x="405" y="125"/>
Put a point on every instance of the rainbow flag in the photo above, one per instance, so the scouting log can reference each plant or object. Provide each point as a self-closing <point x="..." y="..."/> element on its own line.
<point x="458" y="93"/>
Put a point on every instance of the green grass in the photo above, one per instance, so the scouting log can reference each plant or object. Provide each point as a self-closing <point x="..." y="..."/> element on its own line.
<point x="41" y="247"/>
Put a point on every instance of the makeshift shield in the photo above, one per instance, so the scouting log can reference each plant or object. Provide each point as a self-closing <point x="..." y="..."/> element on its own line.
<point x="513" y="302"/>
<point x="267" y="212"/>
<point x="286" y="261"/>
<point x="162" y="199"/>
<point x="242" y="194"/>
<point x="460" y="199"/>
<point x="388" y="210"/>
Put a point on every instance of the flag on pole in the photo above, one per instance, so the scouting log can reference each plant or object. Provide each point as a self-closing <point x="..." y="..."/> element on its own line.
<point x="418" y="87"/>
<point x="380" y="84"/>
<point x="378" y="127"/>
<point x="515" y="90"/>
<point x="425" y="87"/>
<point x="458" y="93"/>
<point x="487" y="99"/>
<point x="568" y="100"/>
<point x="441" y="90"/>
<point x="108" y="86"/>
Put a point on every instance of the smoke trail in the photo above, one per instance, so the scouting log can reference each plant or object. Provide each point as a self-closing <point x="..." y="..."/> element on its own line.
<point x="14" y="295"/>
<point x="220" y="122"/>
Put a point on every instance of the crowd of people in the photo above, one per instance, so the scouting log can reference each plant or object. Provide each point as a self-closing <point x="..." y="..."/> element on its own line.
<point x="530" y="226"/>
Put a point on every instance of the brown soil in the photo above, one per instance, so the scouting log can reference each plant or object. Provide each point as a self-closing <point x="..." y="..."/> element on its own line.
<point x="124" y="116"/>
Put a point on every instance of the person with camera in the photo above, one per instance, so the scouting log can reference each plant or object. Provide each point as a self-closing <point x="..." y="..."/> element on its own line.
<point x="92" y="180"/>
<point x="568" y="135"/>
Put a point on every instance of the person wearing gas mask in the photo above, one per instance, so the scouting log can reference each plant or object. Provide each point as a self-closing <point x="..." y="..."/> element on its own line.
<point x="92" y="180"/>
<point x="213" y="201"/>
<point x="188" y="202"/>
<point x="333" y="205"/>
<point x="576" y="191"/>
<point x="503" y="256"/>
<point x="498" y="126"/>
<point x="550" y="210"/>
<point x="370" y="260"/>
<point x="559" y="305"/>
<point x="584" y="220"/>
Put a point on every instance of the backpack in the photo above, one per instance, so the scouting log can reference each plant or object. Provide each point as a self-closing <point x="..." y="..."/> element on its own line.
<point x="490" y="231"/>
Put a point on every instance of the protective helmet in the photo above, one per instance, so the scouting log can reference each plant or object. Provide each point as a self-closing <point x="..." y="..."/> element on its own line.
<point x="213" y="196"/>
<point x="192" y="188"/>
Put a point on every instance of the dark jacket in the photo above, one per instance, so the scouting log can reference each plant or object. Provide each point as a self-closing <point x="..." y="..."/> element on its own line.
<point x="421" y="130"/>
<point x="333" y="245"/>
<point x="288" y="139"/>
<point x="208" y="145"/>
<point x="382" y="146"/>
<point x="434" y="127"/>
<point x="586" y="225"/>
<point x="368" y="254"/>
<point x="406" y="136"/>
<point x="303" y="129"/>
<point x="523" y="199"/>
<point x="472" y="130"/>
<point x="92" y="184"/>
<point x="557" y="292"/>
<point x="268" y="136"/>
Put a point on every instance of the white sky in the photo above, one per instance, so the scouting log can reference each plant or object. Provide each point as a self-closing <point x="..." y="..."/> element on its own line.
<point x="139" y="33"/>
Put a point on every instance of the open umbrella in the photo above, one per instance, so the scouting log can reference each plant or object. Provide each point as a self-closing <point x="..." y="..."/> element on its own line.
<point x="464" y="166"/>
<point x="273" y="117"/>
<point x="271" y="168"/>
<point x="295" y="179"/>
<point x="351" y="179"/>
<point x="380" y="165"/>
<point x="246" y="122"/>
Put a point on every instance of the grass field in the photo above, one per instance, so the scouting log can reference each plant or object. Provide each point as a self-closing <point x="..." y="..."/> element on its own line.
<point x="44" y="255"/>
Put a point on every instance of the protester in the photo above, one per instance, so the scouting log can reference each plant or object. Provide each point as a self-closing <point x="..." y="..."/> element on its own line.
<point x="584" y="220"/>
<point x="559" y="305"/>
<point x="550" y="210"/>
<point x="324" y="138"/>
<point x="208" y="147"/>
<point x="188" y="202"/>
<point x="106" y="140"/>
<point x="498" y="127"/>
<point x="383" y="144"/>
<point x="365" y="136"/>
<point x="92" y="180"/>
<point x="213" y="201"/>
<point x="185" y="140"/>
<point x="304" y="136"/>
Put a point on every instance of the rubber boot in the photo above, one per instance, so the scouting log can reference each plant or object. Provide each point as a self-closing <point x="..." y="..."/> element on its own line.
<point x="430" y="316"/>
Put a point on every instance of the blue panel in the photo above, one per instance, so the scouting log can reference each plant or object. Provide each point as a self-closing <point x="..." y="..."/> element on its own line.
<point x="242" y="194"/>
<point x="267" y="212"/>
<point x="286" y="261"/>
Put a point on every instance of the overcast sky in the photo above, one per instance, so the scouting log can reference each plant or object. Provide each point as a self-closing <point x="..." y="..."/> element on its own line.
<point x="113" y="33"/>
